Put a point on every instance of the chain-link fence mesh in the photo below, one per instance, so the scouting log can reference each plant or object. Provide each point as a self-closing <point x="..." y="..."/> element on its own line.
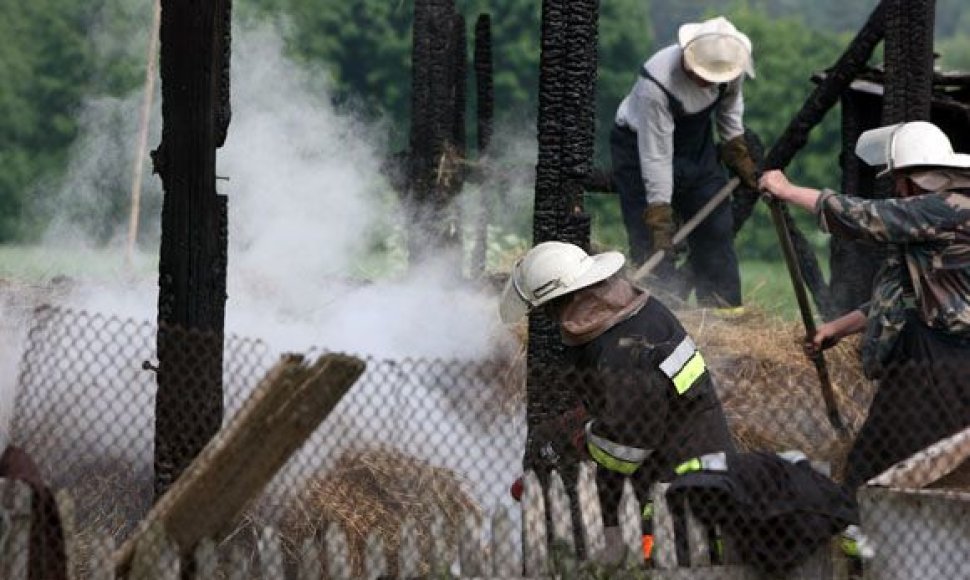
<point x="417" y="438"/>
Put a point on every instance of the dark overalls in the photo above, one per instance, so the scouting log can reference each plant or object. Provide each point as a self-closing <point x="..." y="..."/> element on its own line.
<point x="697" y="177"/>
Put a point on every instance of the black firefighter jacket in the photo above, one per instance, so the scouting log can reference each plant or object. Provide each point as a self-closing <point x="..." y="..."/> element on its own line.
<point x="651" y="399"/>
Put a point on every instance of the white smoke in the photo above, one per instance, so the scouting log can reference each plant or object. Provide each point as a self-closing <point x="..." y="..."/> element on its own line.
<point x="316" y="254"/>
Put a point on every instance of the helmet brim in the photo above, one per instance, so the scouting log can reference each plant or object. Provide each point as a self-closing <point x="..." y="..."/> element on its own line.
<point x="513" y="307"/>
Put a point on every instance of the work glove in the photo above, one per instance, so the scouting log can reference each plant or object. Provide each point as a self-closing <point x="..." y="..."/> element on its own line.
<point x="562" y="440"/>
<point x="738" y="159"/>
<point x="659" y="219"/>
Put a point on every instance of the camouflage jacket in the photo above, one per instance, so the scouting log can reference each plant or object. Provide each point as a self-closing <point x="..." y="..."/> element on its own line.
<point x="927" y="268"/>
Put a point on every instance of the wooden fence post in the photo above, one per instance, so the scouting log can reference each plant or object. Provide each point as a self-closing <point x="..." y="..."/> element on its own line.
<point x="206" y="560"/>
<point x="270" y="553"/>
<point x="375" y="561"/>
<point x="338" y="553"/>
<point x="505" y="561"/>
<point x="590" y="512"/>
<point x="409" y="553"/>
<point x="470" y="548"/>
<point x="631" y="527"/>
<point x="534" y="536"/>
<point x="560" y="514"/>
<point x="310" y="568"/>
<point x="15" y="506"/>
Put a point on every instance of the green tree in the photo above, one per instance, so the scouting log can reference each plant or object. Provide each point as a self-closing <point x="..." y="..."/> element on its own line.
<point x="48" y="65"/>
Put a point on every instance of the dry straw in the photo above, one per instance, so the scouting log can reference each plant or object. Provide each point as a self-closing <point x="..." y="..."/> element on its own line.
<point x="375" y="490"/>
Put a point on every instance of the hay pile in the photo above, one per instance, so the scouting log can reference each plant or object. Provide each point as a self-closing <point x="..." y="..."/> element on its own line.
<point x="375" y="490"/>
<point x="770" y="389"/>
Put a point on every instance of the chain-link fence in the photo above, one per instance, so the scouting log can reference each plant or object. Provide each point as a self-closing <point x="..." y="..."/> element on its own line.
<point x="418" y="440"/>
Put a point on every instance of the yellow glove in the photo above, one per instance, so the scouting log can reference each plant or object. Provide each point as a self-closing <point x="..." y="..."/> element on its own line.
<point x="659" y="218"/>
<point x="738" y="159"/>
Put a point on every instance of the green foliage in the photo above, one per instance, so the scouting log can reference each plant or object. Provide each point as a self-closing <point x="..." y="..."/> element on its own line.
<point x="49" y="66"/>
<point x="955" y="50"/>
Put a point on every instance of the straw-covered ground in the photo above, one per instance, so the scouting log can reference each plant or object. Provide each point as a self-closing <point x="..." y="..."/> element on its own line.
<point x="374" y="490"/>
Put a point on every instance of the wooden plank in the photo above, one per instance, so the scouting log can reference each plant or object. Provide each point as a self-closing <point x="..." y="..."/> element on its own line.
<point x="928" y="465"/>
<point x="284" y="409"/>
<point x="470" y="551"/>
<point x="664" y="546"/>
<point x="590" y="512"/>
<point x="15" y="508"/>
<point x="409" y="556"/>
<point x="631" y="526"/>
<point x="375" y="561"/>
<point x="270" y="553"/>
<point x="561" y="515"/>
<point x="309" y="566"/>
<point x="505" y="559"/>
<point x="535" y="551"/>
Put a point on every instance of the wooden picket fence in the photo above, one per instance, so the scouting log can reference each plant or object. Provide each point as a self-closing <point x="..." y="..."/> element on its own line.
<point x="547" y="546"/>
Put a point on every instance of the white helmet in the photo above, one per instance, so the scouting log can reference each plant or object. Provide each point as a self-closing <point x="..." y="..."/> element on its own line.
<point x="914" y="144"/>
<point x="551" y="270"/>
<point x="715" y="51"/>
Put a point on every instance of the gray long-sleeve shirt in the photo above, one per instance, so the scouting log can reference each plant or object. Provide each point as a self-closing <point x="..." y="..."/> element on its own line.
<point x="646" y="111"/>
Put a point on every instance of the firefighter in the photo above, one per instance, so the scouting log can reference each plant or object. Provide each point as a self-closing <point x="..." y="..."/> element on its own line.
<point x="665" y="161"/>
<point x="917" y="324"/>
<point x="648" y="399"/>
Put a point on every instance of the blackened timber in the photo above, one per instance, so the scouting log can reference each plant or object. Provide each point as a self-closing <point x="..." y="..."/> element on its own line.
<point x="192" y="260"/>
<point x="567" y="76"/>
<point x="908" y="86"/>
<point x="434" y="162"/>
<point x="854" y="263"/>
<point x="825" y="95"/>
<point x="485" y="110"/>
<point x="544" y="346"/>
<point x="223" y="54"/>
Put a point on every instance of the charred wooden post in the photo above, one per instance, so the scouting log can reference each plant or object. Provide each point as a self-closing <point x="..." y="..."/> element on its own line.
<point x="192" y="263"/>
<point x="435" y="159"/>
<point x="823" y="98"/>
<point x="485" y="108"/>
<point x="853" y="263"/>
<point x="908" y="86"/>
<point x="567" y="77"/>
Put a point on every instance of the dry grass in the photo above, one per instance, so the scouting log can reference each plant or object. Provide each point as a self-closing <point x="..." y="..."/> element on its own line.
<point x="770" y="389"/>
<point x="373" y="491"/>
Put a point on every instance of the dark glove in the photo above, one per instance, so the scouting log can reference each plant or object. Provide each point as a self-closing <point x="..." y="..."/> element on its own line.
<point x="659" y="219"/>
<point x="562" y="440"/>
<point x="738" y="159"/>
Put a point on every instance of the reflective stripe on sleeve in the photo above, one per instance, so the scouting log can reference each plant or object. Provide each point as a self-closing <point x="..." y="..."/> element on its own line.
<point x="684" y="366"/>
<point x="709" y="462"/>
<point x="613" y="456"/>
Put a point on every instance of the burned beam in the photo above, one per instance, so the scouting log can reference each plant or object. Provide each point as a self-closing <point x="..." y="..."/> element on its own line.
<point x="825" y="95"/>
<point x="192" y="261"/>
<point x="485" y="110"/>
<point x="567" y="78"/>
